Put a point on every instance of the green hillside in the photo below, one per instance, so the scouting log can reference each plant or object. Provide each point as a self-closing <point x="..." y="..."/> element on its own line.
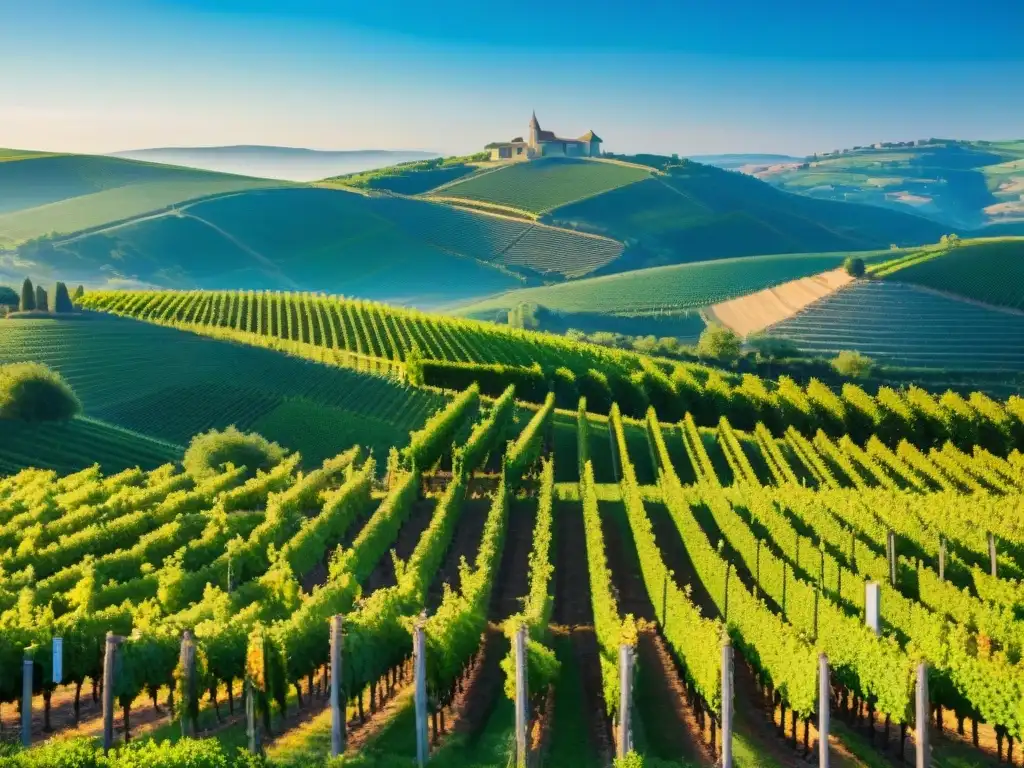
<point x="80" y="443"/>
<point x="68" y="193"/>
<point x="303" y="238"/>
<point x="899" y="324"/>
<point x="697" y="212"/>
<point x="667" y="290"/>
<point x="989" y="271"/>
<point x="411" y="178"/>
<point x="171" y="385"/>
<point x="541" y="185"/>
<point x="962" y="184"/>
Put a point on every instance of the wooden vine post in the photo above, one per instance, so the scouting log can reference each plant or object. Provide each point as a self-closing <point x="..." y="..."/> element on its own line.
<point x="625" y="735"/>
<point x="992" y="555"/>
<point x="338" y="702"/>
<point x="522" y="700"/>
<point x="890" y="549"/>
<point x="252" y="730"/>
<point x="113" y="642"/>
<point x="189" y="698"/>
<point x="824" y="706"/>
<point x="727" y="701"/>
<point x="419" y="655"/>
<point x="872" y="606"/>
<point x="923" y="712"/>
<point x="26" y="698"/>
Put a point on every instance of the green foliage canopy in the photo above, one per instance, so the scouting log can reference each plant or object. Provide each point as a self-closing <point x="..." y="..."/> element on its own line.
<point x="854" y="266"/>
<point x="209" y="452"/>
<point x="61" y="299"/>
<point x="34" y="392"/>
<point x="853" y="364"/>
<point x="28" y="297"/>
<point x="719" y="343"/>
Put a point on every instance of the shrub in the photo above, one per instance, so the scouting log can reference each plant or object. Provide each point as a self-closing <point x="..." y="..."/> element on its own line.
<point x="28" y="297"/>
<point x="209" y="452"/>
<point x="853" y="364"/>
<point x="41" y="303"/>
<point x="34" y="392"/>
<point x="61" y="300"/>
<point x="854" y="266"/>
<point x="719" y="343"/>
<point x="772" y="347"/>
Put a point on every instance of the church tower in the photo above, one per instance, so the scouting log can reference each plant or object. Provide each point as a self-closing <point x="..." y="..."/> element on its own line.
<point x="534" y="135"/>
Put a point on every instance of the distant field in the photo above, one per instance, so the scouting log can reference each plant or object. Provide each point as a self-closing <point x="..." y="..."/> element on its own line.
<point x="7" y="155"/>
<point x="298" y="238"/>
<point x="989" y="271"/>
<point x="171" y="384"/>
<point x="700" y="212"/>
<point x="671" y="289"/>
<point x="78" y="444"/>
<point x="93" y="210"/>
<point x="899" y="324"/>
<point x="542" y="185"/>
<point x="50" y="178"/>
<point x="957" y="183"/>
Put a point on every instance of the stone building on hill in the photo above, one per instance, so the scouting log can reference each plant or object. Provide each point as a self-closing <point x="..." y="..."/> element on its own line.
<point x="543" y="143"/>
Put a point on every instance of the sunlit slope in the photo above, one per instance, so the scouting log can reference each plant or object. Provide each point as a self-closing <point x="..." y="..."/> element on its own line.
<point x="696" y="212"/>
<point x="671" y="289"/>
<point x="989" y="271"/>
<point x="304" y="238"/>
<point x="170" y="385"/>
<point x="542" y="185"/>
<point x="44" y="194"/>
<point x="900" y="324"/>
<point x="962" y="184"/>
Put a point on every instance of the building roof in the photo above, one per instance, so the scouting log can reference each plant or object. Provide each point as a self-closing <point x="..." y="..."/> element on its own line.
<point x="591" y="136"/>
<point x="534" y="123"/>
<point x="513" y="143"/>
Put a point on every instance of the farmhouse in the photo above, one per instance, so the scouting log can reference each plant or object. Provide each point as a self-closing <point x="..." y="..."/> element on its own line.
<point x="543" y="143"/>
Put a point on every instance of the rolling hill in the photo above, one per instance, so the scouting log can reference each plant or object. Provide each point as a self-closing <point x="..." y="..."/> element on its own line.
<point x="481" y="230"/>
<point x="45" y="193"/>
<point x="961" y="184"/>
<point x="696" y="212"/>
<point x="286" y="163"/>
<point x="384" y="248"/>
<point x="990" y="271"/>
<point x="659" y="291"/>
<point x="900" y="324"/>
<point x="169" y="385"/>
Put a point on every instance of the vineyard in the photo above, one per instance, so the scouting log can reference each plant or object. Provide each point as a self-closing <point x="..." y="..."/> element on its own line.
<point x="603" y="537"/>
<point x="989" y="271"/>
<point x="543" y="185"/>
<point x="453" y="354"/>
<point x="170" y="386"/>
<point x="68" y="193"/>
<point x="899" y="324"/>
<point x="666" y="290"/>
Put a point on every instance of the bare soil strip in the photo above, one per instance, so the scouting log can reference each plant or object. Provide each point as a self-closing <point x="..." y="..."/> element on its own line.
<point x="756" y="311"/>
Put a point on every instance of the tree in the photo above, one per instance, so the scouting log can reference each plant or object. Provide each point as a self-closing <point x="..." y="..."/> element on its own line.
<point x="772" y="347"/>
<point x="61" y="300"/>
<point x="209" y="452"/>
<point x="854" y="266"/>
<point x="719" y="343"/>
<point x="79" y="292"/>
<point x="8" y="297"/>
<point x="853" y="364"/>
<point x="950" y="241"/>
<point x="34" y="392"/>
<point x="41" y="303"/>
<point x="524" y="315"/>
<point x="28" y="297"/>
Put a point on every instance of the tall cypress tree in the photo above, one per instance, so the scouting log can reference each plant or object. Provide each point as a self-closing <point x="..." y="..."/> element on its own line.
<point x="79" y="292"/>
<point x="41" y="304"/>
<point x="28" y="297"/>
<point x="61" y="300"/>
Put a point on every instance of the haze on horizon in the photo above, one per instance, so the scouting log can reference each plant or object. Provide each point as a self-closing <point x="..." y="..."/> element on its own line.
<point x="103" y="76"/>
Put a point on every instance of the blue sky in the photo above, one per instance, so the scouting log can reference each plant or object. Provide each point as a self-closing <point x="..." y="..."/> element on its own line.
<point x="787" y="76"/>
